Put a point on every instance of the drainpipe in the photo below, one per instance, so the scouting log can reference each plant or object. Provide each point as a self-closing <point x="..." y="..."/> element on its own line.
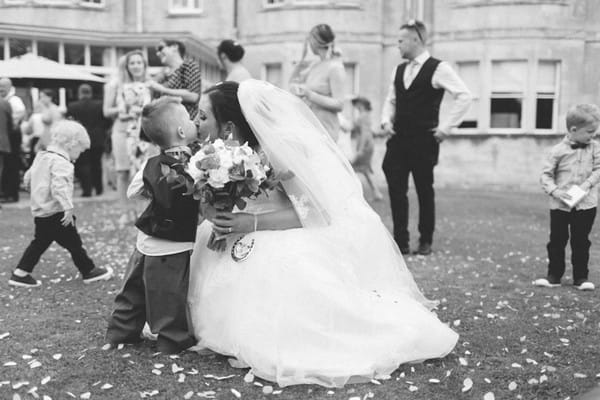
<point x="235" y="19"/>
<point x="139" y="14"/>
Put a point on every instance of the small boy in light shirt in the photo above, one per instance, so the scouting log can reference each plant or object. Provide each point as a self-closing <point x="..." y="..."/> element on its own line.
<point x="50" y="179"/>
<point x="575" y="161"/>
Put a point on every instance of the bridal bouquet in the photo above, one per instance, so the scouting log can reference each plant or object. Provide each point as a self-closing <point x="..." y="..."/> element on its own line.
<point x="223" y="174"/>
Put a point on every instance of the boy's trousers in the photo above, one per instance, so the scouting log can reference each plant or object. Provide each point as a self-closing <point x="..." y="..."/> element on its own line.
<point x="48" y="230"/>
<point x="579" y="223"/>
<point x="155" y="290"/>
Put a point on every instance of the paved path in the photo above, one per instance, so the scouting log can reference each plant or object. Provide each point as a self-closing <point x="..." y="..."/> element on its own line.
<point x="594" y="394"/>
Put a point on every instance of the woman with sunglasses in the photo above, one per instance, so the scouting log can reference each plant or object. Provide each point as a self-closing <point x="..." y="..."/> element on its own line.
<point x="322" y="84"/>
<point x="182" y="78"/>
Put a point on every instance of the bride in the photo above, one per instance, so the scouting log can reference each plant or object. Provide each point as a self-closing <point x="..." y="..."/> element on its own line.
<point x="324" y="297"/>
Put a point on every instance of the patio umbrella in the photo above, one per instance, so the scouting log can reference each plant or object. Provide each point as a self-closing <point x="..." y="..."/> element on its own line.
<point x="40" y="71"/>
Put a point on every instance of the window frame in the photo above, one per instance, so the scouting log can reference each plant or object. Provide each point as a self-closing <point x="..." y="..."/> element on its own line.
<point x="88" y="4"/>
<point x="186" y="10"/>
<point x="545" y="95"/>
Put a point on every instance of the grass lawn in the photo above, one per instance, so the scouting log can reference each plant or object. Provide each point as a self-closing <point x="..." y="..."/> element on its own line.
<point x="516" y="341"/>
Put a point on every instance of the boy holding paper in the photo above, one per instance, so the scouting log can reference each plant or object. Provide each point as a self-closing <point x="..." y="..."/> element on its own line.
<point x="570" y="176"/>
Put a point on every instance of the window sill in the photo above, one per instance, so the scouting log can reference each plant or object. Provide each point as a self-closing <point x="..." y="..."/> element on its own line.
<point x="184" y="13"/>
<point x="318" y="6"/>
<point x="505" y="133"/>
<point x="58" y="5"/>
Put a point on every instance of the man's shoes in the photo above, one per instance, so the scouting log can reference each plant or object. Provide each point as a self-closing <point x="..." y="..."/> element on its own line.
<point x="98" y="274"/>
<point x="584" y="285"/>
<point x="424" y="249"/>
<point x="23" y="281"/>
<point x="9" y="199"/>
<point x="405" y="250"/>
<point x="545" y="282"/>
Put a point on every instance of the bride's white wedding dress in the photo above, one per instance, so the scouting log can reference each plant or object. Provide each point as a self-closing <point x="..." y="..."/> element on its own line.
<point x="330" y="303"/>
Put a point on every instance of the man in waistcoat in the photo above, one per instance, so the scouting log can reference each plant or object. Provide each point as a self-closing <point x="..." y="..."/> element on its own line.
<point x="411" y="116"/>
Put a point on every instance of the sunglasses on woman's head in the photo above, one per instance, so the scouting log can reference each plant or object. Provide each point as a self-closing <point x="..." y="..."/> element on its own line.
<point x="159" y="48"/>
<point x="413" y="25"/>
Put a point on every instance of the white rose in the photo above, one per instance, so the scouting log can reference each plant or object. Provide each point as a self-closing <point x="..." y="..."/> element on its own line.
<point x="217" y="178"/>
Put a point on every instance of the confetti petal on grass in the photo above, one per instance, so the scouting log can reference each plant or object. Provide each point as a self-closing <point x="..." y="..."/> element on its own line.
<point x="194" y="371"/>
<point x="236" y="393"/>
<point x="533" y="381"/>
<point x="46" y="397"/>
<point x="579" y="375"/>
<point x="176" y="368"/>
<point x="489" y="396"/>
<point x="107" y="346"/>
<point x="156" y="371"/>
<point x="35" y="364"/>
<point x="45" y="380"/>
<point x="159" y="365"/>
<point x="543" y="378"/>
<point x="375" y="382"/>
<point x="467" y="385"/>
<point x="10" y="364"/>
<point x="512" y="386"/>
<point x="18" y="385"/>
<point x="57" y="356"/>
<point x="412" y="388"/>
<point x="71" y="394"/>
<point x="188" y="395"/>
<point x="433" y="380"/>
<point x="219" y="378"/>
<point x="4" y="335"/>
<point x="516" y="365"/>
<point x="86" y="395"/>
<point x="550" y="368"/>
<point x="249" y="377"/>
<point x="531" y="361"/>
<point x="463" y="361"/>
<point x="106" y="386"/>
<point x="120" y="346"/>
<point x="209" y="394"/>
<point x="267" y="389"/>
<point x="181" y="378"/>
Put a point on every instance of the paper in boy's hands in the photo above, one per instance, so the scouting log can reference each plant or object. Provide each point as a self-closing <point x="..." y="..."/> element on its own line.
<point x="576" y="194"/>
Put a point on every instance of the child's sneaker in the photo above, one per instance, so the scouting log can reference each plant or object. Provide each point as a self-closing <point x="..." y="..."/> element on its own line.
<point x="584" y="285"/>
<point x="98" y="274"/>
<point x="23" y="281"/>
<point x="545" y="282"/>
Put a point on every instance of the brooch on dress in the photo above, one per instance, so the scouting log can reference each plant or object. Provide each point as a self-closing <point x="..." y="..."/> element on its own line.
<point x="241" y="249"/>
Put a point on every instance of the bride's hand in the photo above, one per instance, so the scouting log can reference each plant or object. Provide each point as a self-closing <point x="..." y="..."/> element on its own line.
<point x="227" y="224"/>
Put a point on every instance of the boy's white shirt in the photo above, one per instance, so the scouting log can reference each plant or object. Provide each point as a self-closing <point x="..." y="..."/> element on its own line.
<point x="149" y="245"/>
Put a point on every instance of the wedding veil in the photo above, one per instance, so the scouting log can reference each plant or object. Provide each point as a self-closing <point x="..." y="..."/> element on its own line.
<point x="294" y="140"/>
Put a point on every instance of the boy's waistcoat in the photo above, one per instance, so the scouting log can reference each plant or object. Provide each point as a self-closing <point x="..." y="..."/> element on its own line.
<point x="171" y="215"/>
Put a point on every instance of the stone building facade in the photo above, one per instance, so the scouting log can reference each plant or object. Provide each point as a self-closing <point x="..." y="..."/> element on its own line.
<point x="526" y="61"/>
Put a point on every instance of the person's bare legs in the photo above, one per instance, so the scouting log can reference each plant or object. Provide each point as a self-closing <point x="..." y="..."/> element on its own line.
<point x="377" y="195"/>
<point x="122" y="185"/>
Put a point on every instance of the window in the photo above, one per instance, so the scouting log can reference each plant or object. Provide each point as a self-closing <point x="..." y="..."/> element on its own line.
<point x="272" y="73"/>
<point x="273" y="3"/>
<point x="508" y="87"/>
<point x="74" y="53"/>
<point x="469" y="73"/>
<point x="153" y="59"/>
<point x="48" y="50"/>
<point x="18" y="47"/>
<point x="185" y="6"/>
<point x="1" y="48"/>
<point x="546" y="89"/>
<point x="352" y="78"/>
<point x="100" y="56"/>
<point x="92" y="3"/>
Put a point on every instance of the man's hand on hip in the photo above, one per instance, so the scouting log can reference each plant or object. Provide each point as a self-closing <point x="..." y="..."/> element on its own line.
<point x="439" y="135"/>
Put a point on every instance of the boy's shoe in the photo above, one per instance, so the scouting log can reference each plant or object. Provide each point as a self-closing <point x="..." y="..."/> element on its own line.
<point x="23" y="281"/>
<point x="98" y="274"/>
<point x="544" y="282"/>
<point x="585" y="285"/>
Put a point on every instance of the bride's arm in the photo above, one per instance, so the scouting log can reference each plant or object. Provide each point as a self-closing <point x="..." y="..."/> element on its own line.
<point x="226" y="223"/>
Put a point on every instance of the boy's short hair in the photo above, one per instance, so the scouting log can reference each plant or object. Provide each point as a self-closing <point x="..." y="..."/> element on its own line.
<point x="155" y="123"/>
<point x="67" y="133"/>
<point x="582" y="114"/>
<point x="362" y="101"/>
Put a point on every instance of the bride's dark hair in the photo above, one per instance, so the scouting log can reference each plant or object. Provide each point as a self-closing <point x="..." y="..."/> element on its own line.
<point x="226" y="107"/>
